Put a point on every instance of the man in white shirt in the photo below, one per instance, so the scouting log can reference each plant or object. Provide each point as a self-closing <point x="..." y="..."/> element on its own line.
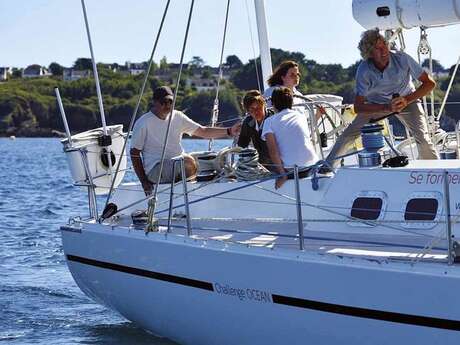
<point x="287" y="136"/>
<point x="149" y="134"/>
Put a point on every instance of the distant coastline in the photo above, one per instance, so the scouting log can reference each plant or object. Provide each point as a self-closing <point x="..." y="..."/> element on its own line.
<point x="28" y="105"/>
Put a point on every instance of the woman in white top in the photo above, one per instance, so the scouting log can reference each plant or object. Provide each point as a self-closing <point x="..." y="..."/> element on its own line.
<point x="287" y="136"/>
<point x="286" y="74"/>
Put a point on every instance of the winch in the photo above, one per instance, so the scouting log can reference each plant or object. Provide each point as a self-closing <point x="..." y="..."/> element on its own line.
<point x="372" y="140"/>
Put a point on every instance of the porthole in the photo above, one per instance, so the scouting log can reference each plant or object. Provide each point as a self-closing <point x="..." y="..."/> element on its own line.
<point x="421" y="209"/>
<point x="366" y="208"/>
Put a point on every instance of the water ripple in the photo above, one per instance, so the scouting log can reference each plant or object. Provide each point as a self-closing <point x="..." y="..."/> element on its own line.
<point x="39" y="301"/>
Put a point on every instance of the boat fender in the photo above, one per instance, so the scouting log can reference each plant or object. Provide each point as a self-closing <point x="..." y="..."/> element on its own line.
<point x="323" y="139"/>
<point x="109" y="210"/>
<point x="105" y="158"/>
<point x="396" y="162"/>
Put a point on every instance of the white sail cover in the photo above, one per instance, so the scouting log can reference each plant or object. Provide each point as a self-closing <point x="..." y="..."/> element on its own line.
<point x="393" y="14"/>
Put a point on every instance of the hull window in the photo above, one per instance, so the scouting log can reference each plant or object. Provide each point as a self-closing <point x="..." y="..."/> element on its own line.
<point x="424" y="209"/>
<point x="366" y="208"/>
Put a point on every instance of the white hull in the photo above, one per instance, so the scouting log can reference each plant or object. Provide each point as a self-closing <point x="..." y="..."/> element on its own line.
<point x="166" y="284"/>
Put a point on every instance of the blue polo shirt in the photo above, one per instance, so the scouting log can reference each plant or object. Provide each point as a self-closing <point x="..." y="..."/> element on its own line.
<point x="378" y="87"/>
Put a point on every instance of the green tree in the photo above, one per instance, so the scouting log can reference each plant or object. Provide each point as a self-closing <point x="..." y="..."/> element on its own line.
<point x="163" y="63"/>
<point x="245" y="78"/>
<point x="206" y="74"/>
<point x="199" y="106"/>
<point x="437" y="67"/>
<point x="83" y="64"/>
<point x="196" y="62"/>
<point x="17" y="73"/>
<point x="233" y="62"/>
<point x="56" y="69"/>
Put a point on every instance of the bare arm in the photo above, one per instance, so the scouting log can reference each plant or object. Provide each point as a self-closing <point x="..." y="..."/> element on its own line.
<point x="363" y="108"/>
<point x="276" y="159"/>
<point x="211" y="132"/>
<point x="139" y="170"/>
<point x="218" y="132"/>
<point x="427" y="85"/>
<point x="398" y="103"/>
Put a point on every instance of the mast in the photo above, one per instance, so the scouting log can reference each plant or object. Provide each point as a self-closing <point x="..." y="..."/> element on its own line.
<point x="264" y="46"/>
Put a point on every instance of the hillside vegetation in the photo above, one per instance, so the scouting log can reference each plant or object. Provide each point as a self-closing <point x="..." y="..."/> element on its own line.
<point x="28" y="106"/>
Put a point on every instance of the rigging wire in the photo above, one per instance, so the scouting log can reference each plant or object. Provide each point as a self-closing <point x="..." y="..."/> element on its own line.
<point x="252" y="44"/>
<point x="215" y="108"/>
<point x="136" y="109"/>
<point x="152" y="201"/>
<point x="444" y="101"/>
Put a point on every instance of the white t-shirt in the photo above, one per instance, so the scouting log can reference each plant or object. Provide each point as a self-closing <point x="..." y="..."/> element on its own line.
<point x="149" y="135"/>
<point x="292" y="135"/>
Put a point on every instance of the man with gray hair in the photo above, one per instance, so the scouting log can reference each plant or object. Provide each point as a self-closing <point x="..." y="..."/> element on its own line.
<point x="384" y="85"/>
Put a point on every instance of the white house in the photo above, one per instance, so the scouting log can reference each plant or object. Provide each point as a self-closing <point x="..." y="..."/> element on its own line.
<point x="5" y="72"/>
<point x="35" y="71"/>
<point x="135" y="68"/>
<point x="70" y="74"/>
<point x="202" y="84"/>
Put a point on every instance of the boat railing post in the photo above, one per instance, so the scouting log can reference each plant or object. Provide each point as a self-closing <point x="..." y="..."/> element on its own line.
<point x="299" y="207"/>
<point x="171" y="194"/>
<point x="64" y="118"/>
<point x="92" y="202"/>
<point x="450" y="249"/>
<point x="186" y="205"/>
<point x="457" y="133"/>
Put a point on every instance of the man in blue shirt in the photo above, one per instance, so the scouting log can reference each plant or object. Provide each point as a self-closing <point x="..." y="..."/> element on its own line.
<point x="380" y="75"/>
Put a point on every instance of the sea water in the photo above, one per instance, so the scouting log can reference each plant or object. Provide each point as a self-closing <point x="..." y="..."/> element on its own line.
<point x="39" y="301"/>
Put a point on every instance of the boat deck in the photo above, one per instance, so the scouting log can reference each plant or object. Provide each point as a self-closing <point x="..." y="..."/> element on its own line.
<point x="283" y="235"/>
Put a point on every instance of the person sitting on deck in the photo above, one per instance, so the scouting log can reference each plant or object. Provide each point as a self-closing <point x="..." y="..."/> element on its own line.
<point x="287" y="136"/>
<point x="384" y="86"/>
<point x="149" y="135"/>
<point x="251" y="128"/>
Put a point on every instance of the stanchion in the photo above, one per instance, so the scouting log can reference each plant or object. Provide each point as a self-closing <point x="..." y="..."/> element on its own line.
<point x="299" y="207"/>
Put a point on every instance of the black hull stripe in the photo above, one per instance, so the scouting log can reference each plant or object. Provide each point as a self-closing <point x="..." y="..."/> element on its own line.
<point x="285" y="300"/>
<point x="144" y="273"/>
<point x="368" y="313"/>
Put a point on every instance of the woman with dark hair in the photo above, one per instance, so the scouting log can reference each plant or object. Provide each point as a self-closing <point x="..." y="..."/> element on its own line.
<point x="287" y="74"/>
<point x="251" y="128"/>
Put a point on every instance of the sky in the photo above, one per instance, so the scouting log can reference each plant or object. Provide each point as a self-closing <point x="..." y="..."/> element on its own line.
<point x="45" y="31"/>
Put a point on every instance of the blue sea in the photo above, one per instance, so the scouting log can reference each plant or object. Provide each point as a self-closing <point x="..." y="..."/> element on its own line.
<point x="39" y="301"/>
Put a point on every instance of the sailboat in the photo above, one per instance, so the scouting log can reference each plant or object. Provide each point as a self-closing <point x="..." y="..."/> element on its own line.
<point x="365" y="255"/>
